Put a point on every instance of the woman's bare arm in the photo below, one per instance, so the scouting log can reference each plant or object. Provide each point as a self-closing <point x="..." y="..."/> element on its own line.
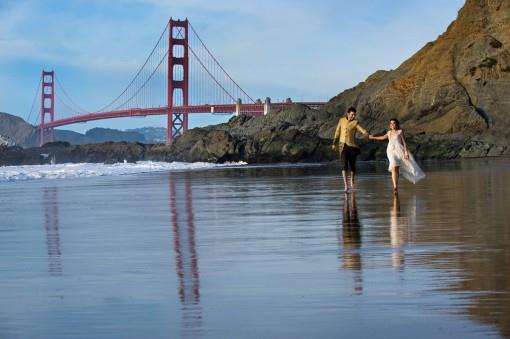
<point x="381" y="138"/>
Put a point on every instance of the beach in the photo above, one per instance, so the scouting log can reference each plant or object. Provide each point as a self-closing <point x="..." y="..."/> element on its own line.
<point x="255" y="251"/>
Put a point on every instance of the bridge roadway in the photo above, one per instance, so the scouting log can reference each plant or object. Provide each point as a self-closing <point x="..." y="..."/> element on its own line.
<point x="246" y="109"/>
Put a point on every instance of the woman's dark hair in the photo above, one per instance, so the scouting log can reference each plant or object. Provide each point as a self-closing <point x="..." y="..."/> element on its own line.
<point x="396" y="123"/>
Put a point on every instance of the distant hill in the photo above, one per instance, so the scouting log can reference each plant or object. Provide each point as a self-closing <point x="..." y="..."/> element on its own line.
<point x="98" y="135"/>
<point x="25" y="135"/>
<point x="71" y="137"/>
<point x="108" y="134"/>
<point x="17" y="130"/>
<point x="153" y="135"/>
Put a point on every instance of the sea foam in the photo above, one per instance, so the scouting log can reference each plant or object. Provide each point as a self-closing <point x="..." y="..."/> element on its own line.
<point x="60" y="171"/>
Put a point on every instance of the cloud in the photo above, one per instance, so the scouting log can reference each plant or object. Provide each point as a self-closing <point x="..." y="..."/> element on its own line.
<point x="15" y="48"/>
<point x="12" y="15"/>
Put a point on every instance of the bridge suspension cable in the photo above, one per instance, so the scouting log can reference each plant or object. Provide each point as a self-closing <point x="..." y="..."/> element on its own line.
<point x="144" y="83"/>
<point x="73" y="105"/>
<point x="217" y="64"/>
<point x="33" y="104"/>
<point x="193" y="82"/>
<point x="159" y="49"/>
<point x="209" y="82"/>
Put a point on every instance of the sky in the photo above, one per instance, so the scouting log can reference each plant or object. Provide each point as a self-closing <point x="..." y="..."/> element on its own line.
<point x="309" y="50"/>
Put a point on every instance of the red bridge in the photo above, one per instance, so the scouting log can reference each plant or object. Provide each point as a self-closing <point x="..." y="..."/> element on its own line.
<point x="179" y="77"/>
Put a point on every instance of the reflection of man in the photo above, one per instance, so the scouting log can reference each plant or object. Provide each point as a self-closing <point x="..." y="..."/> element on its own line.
<point x="345" y="132"/>
<point x="351" y="238"/>
<point x="398" y="234"/>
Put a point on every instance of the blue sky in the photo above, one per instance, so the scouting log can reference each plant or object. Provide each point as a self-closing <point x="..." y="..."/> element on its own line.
<point x="307" y="50"/>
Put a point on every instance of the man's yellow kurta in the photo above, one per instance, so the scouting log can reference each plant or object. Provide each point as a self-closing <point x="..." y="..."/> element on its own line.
<point x="346" y="132"/>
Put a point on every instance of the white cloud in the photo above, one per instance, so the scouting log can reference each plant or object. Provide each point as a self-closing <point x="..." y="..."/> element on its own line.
<point x="15" y="48"/>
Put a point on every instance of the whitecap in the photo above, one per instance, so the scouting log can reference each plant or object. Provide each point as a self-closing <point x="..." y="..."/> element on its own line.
<point x="61" y="171"/>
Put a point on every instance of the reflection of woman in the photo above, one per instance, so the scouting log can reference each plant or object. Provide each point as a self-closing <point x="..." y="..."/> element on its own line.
<point x="398" y="234"/>
<point x="401" y="160"/>
<point x="351" y="238"/>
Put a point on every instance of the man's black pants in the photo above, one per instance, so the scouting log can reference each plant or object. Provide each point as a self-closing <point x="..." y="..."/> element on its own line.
<point x="348" y="158"/>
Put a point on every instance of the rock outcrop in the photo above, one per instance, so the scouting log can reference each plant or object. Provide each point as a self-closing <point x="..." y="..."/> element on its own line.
<point x="17" y="130"/>
<point x="5" y="141"/>
<point x="63" y="152"/>
<point x="452" y="97"/>
<point x="457" y="85"/>
<point x="287" y="136"/>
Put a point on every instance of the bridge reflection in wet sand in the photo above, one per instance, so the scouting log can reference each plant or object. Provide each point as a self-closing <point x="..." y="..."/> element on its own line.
<point x="186" y="258"/>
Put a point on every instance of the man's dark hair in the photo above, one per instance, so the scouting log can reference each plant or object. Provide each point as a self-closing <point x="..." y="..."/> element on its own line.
<point x="351" y="109"/>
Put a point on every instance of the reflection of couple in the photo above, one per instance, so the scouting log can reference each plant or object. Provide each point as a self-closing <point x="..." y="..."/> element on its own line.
<point x="351" y="238"/>
<point x="401" y="160"/>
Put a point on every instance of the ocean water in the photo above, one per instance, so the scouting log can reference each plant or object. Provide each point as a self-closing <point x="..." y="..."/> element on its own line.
<point x="200" y="251"/>
<point x="65" y="171"/>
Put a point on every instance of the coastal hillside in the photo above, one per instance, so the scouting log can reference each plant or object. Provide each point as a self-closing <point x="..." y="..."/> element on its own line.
<point x="17" y="130"/>
<point x="456" y="84"/>
<point x="452" y="97"/>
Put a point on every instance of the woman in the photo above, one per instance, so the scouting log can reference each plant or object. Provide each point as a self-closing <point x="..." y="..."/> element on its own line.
<point x="401" y="160"/>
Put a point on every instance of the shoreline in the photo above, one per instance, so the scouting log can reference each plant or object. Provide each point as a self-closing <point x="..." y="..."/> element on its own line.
<point x="217" y="146"/>
<point x="119" y="152"/>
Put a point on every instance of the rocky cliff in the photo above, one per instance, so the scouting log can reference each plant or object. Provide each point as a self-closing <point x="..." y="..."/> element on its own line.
<point x="456" y="85"/>
<point x="452" y="97"/>
<point x="17" y="130"/>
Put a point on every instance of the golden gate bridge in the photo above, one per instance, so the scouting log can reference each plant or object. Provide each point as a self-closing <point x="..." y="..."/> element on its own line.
<point x="179" y="77"/>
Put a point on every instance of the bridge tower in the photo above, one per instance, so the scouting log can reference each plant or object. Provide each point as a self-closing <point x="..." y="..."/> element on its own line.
<point x="47" y="105"/>
<point x="178" y="77"/>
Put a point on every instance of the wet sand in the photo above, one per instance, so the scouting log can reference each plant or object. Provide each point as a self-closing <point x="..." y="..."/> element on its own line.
<point x="258" y="252"/>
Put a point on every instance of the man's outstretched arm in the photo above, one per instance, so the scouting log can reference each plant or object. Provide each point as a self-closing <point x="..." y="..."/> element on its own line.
<point x="337" y="134"/>
<point x="362" y="130"/>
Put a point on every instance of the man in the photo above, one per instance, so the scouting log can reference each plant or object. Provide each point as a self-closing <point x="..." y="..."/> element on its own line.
<point x="346" y="132"/>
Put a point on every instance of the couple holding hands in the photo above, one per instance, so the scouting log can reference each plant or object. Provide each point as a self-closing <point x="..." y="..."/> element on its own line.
<point x="400" y="158"/>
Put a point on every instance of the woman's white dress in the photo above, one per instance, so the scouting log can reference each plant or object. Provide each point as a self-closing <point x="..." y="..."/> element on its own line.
<point x="409" y="169"/>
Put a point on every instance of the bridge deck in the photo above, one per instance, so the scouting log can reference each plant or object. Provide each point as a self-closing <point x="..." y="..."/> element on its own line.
<point x="248" y="109"/>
